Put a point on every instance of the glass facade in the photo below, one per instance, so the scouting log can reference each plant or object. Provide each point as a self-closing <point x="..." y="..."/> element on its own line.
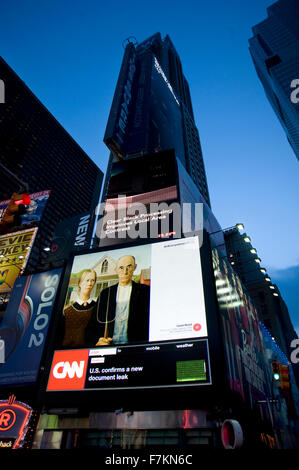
<point x="274" y="48"/>
<point x="159" y="114"/>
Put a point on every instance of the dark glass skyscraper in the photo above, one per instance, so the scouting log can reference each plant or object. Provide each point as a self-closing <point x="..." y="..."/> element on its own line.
<point x="152" y="109"/>
<point x="36" y="150"/>
<point x="275" y="52"/>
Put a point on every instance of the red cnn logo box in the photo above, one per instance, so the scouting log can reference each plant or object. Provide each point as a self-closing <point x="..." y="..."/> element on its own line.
<point x="68" y="370"/>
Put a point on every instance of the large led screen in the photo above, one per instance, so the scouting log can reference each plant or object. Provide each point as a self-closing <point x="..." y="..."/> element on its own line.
<point x="34" y="210"/>
<point x="247" y="368"/>
<point x="14" y="253"/>
<point x="141" y="200"/>
<point x="24" y="328"/>
<point x="127" y="311"/>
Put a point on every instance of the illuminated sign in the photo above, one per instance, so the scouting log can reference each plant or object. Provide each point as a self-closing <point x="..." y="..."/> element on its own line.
<point x="14" y="419"/>
<point x="126" y="367"/>
<point x="82" y="230"/>
<point x="34" y="210"/>
<point x="71" y="233"/>
<point x="164" y="277"/>
<point x="24" y="326"/>
<point x="129" y="310"/>
<point x="69" y="370"/>
<point x="246" y="363"/>
<point x="14" y="252"/>
<point x="159" y="69"/>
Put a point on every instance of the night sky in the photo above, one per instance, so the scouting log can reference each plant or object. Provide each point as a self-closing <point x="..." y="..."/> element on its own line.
<point x="69" y="54"/>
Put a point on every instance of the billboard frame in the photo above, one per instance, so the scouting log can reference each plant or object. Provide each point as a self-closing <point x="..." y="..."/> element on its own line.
<point x="152" y="398"/>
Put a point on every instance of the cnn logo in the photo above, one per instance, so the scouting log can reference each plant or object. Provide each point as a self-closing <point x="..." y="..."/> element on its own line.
<point x="68" y="370"/>
<point x="64" y="369"/>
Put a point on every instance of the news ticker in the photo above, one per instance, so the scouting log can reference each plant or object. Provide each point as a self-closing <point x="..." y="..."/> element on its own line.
<point x="167" y="364"/>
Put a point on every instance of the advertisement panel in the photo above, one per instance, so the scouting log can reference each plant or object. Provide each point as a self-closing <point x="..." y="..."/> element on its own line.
<point x="34" y="210"/>
<point x="128" y="309"/>
<point x="14" y="253"/>
<point x="139" y="199"/>
<point x="247" y="368"/>
<point x="178" y="364"/>
<point x="25" y="325"/>
<point x="14" y="419"/>
<point x="71" y="233"/>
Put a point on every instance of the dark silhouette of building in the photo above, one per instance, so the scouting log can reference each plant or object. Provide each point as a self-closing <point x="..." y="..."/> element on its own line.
<point x="274" y="48"/>
<point x="36" y="154"/>
<point x="152" y="109"/>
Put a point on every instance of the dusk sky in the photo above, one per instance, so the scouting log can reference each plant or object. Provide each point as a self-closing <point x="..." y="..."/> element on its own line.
<point x="69" y="54"/>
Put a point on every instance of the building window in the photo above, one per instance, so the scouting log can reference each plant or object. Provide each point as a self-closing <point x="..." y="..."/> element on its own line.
<point x="104" y="267"/>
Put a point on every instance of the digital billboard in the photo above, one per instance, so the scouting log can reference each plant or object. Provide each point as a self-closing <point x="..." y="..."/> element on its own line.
<point x="34" y="210"/>
<point x="127" y="310"/>
<point x="247" y="369"/>
<point x="144" y="201"/>
<point x="24" y="327"/>
<point x="14" y="420"/>
<point x="139" y="197"/>
<point x="70" y="233"/>
<point x="14" y="253"/>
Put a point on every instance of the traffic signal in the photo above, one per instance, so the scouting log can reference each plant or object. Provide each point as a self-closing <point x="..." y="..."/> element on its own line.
<point x="12" y="214"/>
<point x="276" y="370"/>
<point x="284" y="377"/>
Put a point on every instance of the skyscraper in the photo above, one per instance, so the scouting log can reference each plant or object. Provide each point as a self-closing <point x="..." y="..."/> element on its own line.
<point x="36" y="151"/>
<point x="271" y="308"/>
<point x="152" y="109"/>
<point x="274" y="48"/>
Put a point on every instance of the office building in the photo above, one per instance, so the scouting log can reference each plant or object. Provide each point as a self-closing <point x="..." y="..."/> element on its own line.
<point x="271" y="308"/>
<point x="274" y="48"/>
<point x="37" y="154"/>
<point x="152" y="109"/>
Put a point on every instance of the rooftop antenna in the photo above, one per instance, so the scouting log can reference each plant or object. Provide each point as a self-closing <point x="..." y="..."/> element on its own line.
<point x="129" y="41"/>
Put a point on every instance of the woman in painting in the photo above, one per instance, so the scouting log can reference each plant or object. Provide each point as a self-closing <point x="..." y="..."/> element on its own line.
<point x="77" y="315"/>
